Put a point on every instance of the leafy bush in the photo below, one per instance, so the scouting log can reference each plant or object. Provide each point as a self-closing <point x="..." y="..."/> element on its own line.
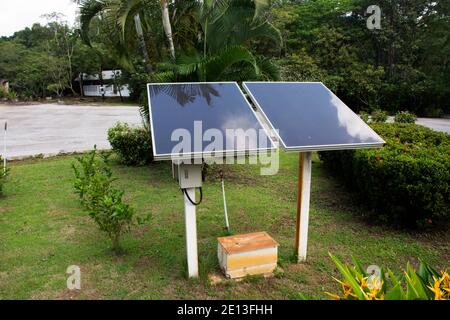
<point x="133" y="145"/>
<point x="3" y="93"/>
<point x="13" y="96"/>
<point x="8" y="95"/>
<point x="405" y="117"/>
<point x="423" y="284"/>
<point x="406" y="182"/>
<point x="379" y="116"/>
<point x="94" y="185"/>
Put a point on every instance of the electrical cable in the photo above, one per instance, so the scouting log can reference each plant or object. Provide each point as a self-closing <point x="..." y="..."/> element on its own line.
<point x="190" y="200"/>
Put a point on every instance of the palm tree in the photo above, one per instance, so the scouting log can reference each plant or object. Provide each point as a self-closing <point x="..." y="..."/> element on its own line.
<point x="210" y="34"/>
<point x="167" y="26"/>
<point x="142" y="44"/>
<point x="120" y="14"/>
<point x="227" y="29"/>
<point x="96" y="11"/>
<point x="221" y="45"/>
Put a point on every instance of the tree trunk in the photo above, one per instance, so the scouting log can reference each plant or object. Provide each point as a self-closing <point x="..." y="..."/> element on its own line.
<point x="102" y="88"/>
<point x="142" y="45"/>
<point x="81" y="84"/>
<point x="115" y="243"/>
<point x="167" y="26"/>
<point x="117" y="85"/>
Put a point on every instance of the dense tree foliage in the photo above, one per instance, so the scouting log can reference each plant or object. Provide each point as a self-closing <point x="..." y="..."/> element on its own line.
<point x="404" y="65"/>
<point x="211" y="40"/>
<point x="44" y="60"/>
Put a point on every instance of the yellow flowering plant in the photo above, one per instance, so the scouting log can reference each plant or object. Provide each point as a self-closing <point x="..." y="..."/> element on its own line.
<point x="422" y="284"/>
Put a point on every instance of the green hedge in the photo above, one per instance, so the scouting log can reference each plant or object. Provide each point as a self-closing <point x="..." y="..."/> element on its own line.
<point x="132" y="145"/>
<point x="407" y="181"/>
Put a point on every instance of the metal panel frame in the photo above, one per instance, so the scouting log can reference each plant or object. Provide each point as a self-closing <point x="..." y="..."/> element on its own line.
<point x="202" y="154"/>
<point x="347" y="146"/>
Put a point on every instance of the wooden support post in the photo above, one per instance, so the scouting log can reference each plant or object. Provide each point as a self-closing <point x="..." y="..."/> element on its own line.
<point x="303" y="196"/>
<point x="191" y="233"/>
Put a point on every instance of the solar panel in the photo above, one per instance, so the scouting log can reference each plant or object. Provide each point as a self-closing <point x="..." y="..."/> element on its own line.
<point x="309" y="117"/>
<point x="214" y="119"/>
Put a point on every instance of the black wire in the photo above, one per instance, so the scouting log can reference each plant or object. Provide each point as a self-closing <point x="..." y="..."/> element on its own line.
<point x="190" y="200"/>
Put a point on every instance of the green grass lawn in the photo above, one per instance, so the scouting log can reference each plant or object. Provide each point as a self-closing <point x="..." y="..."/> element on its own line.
<point x="43" y="230"/>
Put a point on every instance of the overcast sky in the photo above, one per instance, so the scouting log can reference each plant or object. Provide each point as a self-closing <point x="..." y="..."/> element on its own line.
<point x="15" y="15"/>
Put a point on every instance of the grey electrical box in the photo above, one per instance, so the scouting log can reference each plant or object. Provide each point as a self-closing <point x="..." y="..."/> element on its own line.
<point x="187" y="175"/>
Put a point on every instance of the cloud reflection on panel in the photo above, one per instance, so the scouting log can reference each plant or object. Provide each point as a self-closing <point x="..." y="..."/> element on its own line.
<point x="202" y="118"/>
<point x="352" y="123"/>
<point x="242" y="134"/>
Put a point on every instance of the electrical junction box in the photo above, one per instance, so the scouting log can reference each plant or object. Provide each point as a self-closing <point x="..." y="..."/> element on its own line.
<point x="187" y="175"/>
<point x="247" y="254"/>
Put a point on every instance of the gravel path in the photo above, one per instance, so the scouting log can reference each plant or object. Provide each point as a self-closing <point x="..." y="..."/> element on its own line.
<point x="50" y="129"/>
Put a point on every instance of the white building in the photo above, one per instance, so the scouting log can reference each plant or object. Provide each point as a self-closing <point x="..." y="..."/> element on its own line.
<point x="92" y="85"/>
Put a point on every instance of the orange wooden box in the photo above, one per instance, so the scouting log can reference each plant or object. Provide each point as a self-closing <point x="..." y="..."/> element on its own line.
<point x="247" y="254"/>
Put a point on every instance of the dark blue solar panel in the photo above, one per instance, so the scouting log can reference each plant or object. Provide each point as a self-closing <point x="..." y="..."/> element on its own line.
<point x="308" y="116"/>
<point x="203" y="110"/>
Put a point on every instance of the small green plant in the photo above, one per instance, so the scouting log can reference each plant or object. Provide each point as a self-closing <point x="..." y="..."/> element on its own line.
<point x="379" y="116"/>
<point x="405" y="117"/>
<point x="8" y="95"/>
<point x="132" y="145"/>
<point x="422" y="284"/>
<point x="94" y="185"/>
<point x="13" y="96"/>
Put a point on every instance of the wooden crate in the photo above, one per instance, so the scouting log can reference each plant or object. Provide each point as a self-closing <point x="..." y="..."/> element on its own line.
<point x="247" y="254"/>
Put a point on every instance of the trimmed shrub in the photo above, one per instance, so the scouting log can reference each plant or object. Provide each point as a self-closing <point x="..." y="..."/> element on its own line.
<point x="406" y="182"/>
<point x="132" y="145"/>
<point x="379" y="116"/>
<point x="405" y="117"/>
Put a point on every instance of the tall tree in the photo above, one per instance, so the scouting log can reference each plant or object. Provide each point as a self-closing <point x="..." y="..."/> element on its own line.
<point x="104" y="14"/>
<point x="142" y="44"/>
<point x="119" y="14"/>
<point x="167" y="26"/>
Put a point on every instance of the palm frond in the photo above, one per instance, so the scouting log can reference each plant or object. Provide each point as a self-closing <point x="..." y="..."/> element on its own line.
<point x="237" y="24"/>
<point x="125" y="13"/>
<point x="218" y="65"/>
<point x="89" y="9"/>
<point x="268" y="70"/>
<point x="261" y="7"/>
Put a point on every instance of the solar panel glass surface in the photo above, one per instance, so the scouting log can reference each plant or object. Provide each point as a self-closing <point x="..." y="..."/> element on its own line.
<point x="309" y="117"/>
<point x="216" y="117"/>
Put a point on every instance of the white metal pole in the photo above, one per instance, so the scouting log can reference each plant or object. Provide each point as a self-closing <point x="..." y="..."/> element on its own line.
<point x="303" y="199"/>
<point x="225" y="206"/>
<point x="4" y="148"/>
<point x="191" y="233"/>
